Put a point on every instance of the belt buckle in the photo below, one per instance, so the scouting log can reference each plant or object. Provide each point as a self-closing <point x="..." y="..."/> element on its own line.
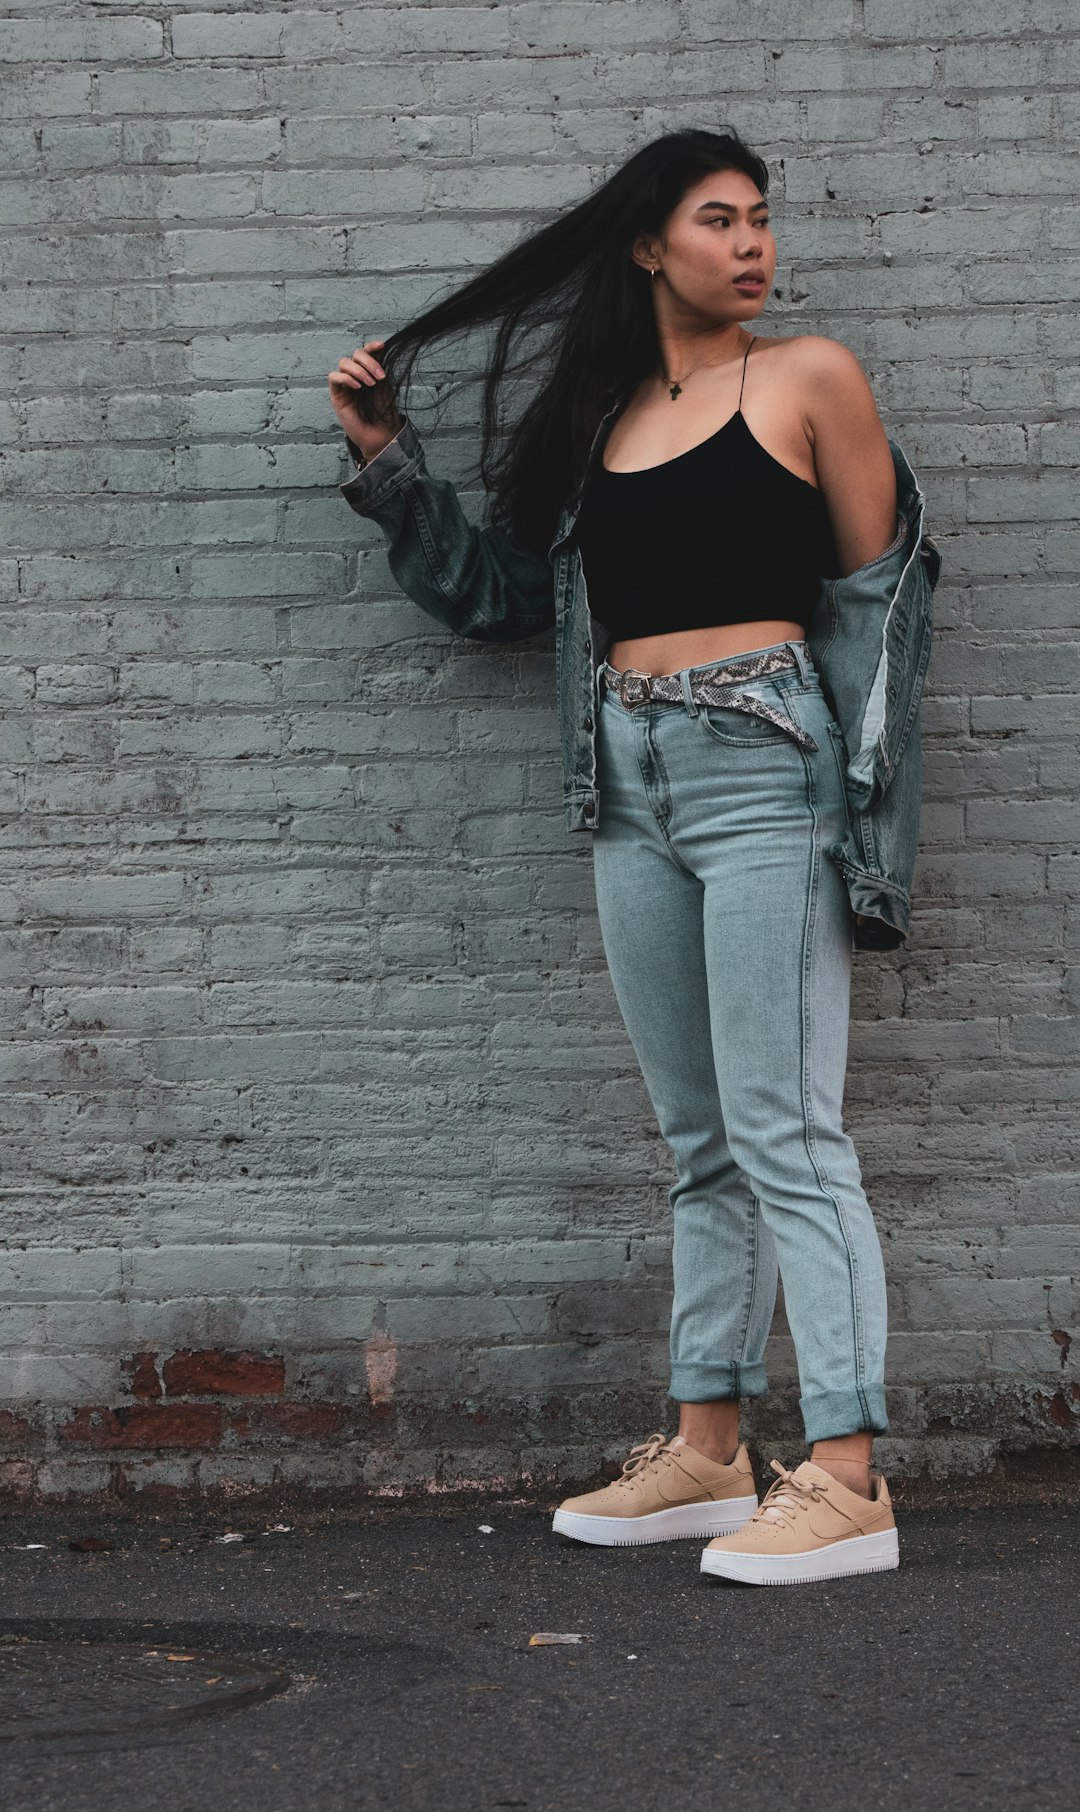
<point x="635" y="687"/>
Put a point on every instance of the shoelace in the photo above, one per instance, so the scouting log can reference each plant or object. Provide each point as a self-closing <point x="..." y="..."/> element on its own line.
<point x="787" y="1494"/>
<point x="647" y="1451"/>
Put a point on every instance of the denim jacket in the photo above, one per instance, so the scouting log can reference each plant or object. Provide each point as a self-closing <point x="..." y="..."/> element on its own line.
<point x="869" y="637"/>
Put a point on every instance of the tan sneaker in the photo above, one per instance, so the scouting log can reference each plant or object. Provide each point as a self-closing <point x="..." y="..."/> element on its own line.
<point x="809" y="1526"/>
<point x="668" y="1491"/>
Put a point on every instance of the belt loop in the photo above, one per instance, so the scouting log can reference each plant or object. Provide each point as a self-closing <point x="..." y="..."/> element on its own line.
<point x="688" y="698"/>
<point x="799" y="650"/>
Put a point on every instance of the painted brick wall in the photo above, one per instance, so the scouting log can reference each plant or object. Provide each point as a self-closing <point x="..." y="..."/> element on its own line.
<point x="326" y="1158"/>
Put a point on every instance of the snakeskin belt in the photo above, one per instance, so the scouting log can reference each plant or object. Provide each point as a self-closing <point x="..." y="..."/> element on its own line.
<point x="708" y="688"/>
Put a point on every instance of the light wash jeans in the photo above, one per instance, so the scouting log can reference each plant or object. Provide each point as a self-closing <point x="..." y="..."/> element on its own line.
<point x="729" y="936"/>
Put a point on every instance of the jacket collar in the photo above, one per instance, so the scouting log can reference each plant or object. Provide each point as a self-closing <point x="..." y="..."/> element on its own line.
<point x="596" y="451"/>
<point x="910" y="500"/>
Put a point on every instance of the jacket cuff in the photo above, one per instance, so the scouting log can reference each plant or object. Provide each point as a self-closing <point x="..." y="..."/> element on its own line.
<point x="389" y="468"/>
<point x="361" y="458"/>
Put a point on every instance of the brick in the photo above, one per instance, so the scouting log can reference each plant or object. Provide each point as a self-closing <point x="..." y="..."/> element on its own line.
<point x="219" y="1374"/>
<point x="160" y="1425"/>
<point x="292" y="927"/>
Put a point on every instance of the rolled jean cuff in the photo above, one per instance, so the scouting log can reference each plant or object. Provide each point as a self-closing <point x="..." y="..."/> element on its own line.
<point x="830" y="1413"/>
<point x="701" y="1383"/>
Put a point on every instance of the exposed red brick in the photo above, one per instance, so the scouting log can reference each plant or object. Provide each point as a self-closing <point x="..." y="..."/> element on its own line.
<point x="138" y="1375"/>
<point x="145" y="1425"/>
<point x="17" y="1479"/>
<point x="217" y="1374"/>
<point x="294" y="1421"/>
<point x="1057" y="1408"/>
<point x="16" y="1430"/>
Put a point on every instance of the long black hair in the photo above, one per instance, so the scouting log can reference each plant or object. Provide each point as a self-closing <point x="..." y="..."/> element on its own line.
<point x="573" y="290"/>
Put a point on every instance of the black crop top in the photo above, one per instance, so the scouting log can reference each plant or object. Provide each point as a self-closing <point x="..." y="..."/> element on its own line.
<point x="723" y="533"/>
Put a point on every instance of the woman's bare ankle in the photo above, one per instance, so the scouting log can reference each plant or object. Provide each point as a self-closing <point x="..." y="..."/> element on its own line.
<point x="850" y="1464"/>
<point x="711" y="1429"/>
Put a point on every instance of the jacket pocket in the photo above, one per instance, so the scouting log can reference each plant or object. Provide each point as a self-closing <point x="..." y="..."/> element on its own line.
<point x="930" y="554"/>
<point x="909" y="645"/>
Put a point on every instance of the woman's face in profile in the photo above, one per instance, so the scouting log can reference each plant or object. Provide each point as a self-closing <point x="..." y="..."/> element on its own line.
<point x="716" y="239"/>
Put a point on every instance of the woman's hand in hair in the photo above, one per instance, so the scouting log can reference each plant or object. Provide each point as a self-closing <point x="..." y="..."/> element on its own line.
<point x="362" y="372"/>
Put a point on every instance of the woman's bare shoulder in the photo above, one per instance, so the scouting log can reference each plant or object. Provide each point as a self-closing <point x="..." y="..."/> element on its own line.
<point x="825" y="380"/>
<point x="814" y="352"/>
<point x="814" y="355"/>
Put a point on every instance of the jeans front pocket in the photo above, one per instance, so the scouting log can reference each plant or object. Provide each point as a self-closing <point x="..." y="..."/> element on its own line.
<point x="747" y="721"/>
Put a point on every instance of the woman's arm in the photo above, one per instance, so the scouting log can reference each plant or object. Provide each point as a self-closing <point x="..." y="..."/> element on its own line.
<point x="851" y="456"/>
<point x="851" y="452"/>
<point x="360" y="458"/>
<point x="480" y="583"/>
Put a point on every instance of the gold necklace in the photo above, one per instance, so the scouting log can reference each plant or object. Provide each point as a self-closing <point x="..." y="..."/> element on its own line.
<point x="676" y="387"/>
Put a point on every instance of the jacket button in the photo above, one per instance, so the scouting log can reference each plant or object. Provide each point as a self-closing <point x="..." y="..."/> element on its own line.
<point x="587" y="808"/>
<point x="586" y="723"/>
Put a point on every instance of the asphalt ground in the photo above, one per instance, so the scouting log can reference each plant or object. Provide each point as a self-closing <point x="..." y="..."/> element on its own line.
<point x="392" y="1668"/>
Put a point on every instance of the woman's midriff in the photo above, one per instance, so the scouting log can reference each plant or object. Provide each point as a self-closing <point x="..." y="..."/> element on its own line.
<point x="658" y="654"/>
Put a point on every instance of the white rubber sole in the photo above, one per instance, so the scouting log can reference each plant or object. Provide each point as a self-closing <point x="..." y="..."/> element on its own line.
<point x="681" y="1521"/>
<point x="857" y="1554"/>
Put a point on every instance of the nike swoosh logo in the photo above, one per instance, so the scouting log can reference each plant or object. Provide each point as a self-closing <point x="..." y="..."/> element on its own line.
<point x="679" y="1489"/>
<point x="848" y="1526"/>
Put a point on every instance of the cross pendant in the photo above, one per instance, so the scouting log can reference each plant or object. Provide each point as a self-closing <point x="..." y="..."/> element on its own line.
<point x="676" y="390"/>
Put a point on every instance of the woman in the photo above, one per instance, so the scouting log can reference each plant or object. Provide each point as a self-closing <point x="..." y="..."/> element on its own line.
<point x="740" y="475"/>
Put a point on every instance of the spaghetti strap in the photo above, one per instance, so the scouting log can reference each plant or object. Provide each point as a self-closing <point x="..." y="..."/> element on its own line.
<point x="746" y="355"/>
